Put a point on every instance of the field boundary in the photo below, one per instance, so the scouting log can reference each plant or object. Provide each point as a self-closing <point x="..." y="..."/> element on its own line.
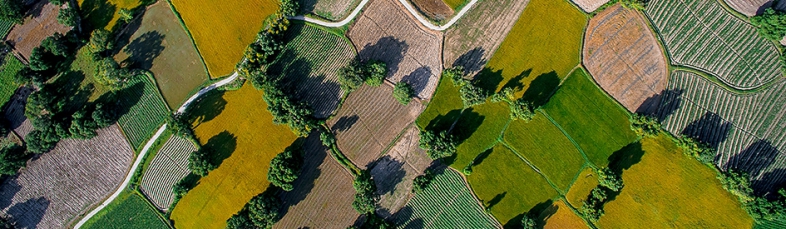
<point x="472" y="192"/>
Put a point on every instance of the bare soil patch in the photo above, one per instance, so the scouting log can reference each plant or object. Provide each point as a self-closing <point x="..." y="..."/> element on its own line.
<point x="386" y="32"/>
<point x="624" y="58"/>
<point x="750" y="7"/>
<point x="590" y="5"/>
<point x="369" y="121"/>
<point x="59" y="185"/>
<point x="334" y="10"/>
<point x="435" y="9"/>
<point x="475" y="37"/>
<point x="42" y="24"/>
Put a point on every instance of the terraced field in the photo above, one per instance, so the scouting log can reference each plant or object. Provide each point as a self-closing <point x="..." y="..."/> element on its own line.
<point x="168" y="167"/>
<point x="146" y="110"/>
<point x="731" y="49"/>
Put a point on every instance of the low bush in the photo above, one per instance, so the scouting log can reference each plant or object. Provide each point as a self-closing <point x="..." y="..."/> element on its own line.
<point x="422" y="181"/>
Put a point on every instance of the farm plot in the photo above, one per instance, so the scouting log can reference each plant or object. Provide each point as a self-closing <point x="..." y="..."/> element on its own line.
<point x="59" y="185"/>
<point x="10" y="66"/>
<point x="222" y="31"/>
<point x="478" y="129"/>
<point x="168" y="167"/>
<point x="5" y="28"/>
<point x="581" y="188"/>
<point x="731" y="49"/>
<point x="129" y="210"/>
<point x="475" y="37"/>
<point x="624" y="58"/>
<point x="547" y="148"/>
<point x="559" y="216"/>
<point x="590" y="5"/>
<point x="237" y="127"/>
<point x="443" y="109"/>
<point x="386" y="32"/>
<point x="747" y="130"/>
<point x="310" y="64"/>
<point x="323" y="193"/>
<point x="105" y="13"/>
<point x="445" y="203"/>
<point x="161" y="46"/>
<point x="598" y="125"/>
<point x="436" y="10"/>
<point x="29" y="35"/>
<point x="369" y="121"/>
<point x="395" y="172"/>
<point x="333" y="10"/>
<point x="146" y="110"/>
<point x="750" y="8"/>
<point x="665" y="186"/>
<point x="498" y="179"/>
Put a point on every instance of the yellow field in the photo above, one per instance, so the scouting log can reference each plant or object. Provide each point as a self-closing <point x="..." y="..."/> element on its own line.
<point x="669" y="190"/>
<point x="97" y="11"/>
<point x="559" y="216"/>
<point x="245" y="129"/>
<point x="582" y="187"/>
<point x="222" y="30"/>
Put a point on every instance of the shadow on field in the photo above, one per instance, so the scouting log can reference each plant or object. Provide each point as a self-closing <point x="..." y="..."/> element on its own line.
<point x="221" y="147"/>
<point x="418" y="79"/>
<point x="541" y="88"/>
<point x="405" y="214"/>
<point x="28" y="214"/>
<point x="344" y="123"/>
<point x="626" y="157"/>
<point x="444" y="122"/>
<point x="756" y="158"/>
<point x="494" y="201"/>
<point x="68" y="86"/>
<point x="124" y="36"/>
<point x="143" y="50"/>
<point x="387" y="49"/>
<point x="315" y="155"/>
<point x="97" y="12"/>
<point x="208" y="108"/>
<point x="661" y="105"/>
<point x="539" y="212"/>
<point x="467" y="124"/>
<point x="8" y="191"/>
<point x="710" y="129"/>
<point x="479" y="159"/>
<point x="515" y="83"/>
<point x="296" y="73"/>
<point x="488" y="79"/>
<point x="124" y="99"/>
<point x="387" y="173"/>
<point x="471" y="61"/>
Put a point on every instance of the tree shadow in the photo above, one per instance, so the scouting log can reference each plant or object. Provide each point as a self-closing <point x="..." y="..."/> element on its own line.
<point x="488" y="79"/>
<point x="296" y="74"/>
<point x="144" y="50"/>
<point x="541" y="88"/>
<point x="221" y="147"/>
<point x="387" y="173"/>
<point x="8" y="191"/>
<point x="36" y="9"/>
<point x="443" y="122"/>
<point x="481" y="157"/>
<point x="668" y="101"/>
<point x="769" y="183"/>
<point x="418" y="79"/>
<point x="756" y="158"/>
<point x="315" y="156"/>
<point x="121" y="101"/>
<point x="15" y="108"/>
<point x="344" y="123"/>
<point x="515" y="82"/>
<point x="710" y="129"/>
<point x="494" y="201"/>
<point x="98" y="12"/>
<point x="405" y="215"/>
<point x="29" y="214"/>
<point x="388" y="49"/>
<point x="207" y="108"/>
<point x="536" y="212"/>
<point x="626" y="157"/>
<point x="468" y="123"/>
<point x="471" y="61"/>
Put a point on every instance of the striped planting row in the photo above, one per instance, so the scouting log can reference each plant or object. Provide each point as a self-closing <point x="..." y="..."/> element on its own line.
<point x="146" y="110"/>
<point x="168" y="167"/>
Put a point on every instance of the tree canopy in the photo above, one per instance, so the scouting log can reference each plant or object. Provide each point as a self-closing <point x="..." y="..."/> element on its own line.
<point x="68" y="16"/>
<point x="285" y="168"/>
<point x="365" y="188"/>
<point x="12" y="10"/>
<point x="403" y="93"/>
<point x="12" y="158"/>
<point x="645" y="126"/>
<point x="438" y="145"/>
<point x="200" y="162"/>
<point x="771" y="24"/>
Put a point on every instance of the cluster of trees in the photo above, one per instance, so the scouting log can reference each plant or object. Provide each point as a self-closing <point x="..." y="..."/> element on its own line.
<point x="262" y="211"/>
<point x="68" y="16"/>
<point x="519" y="108"/>
<point x="760" y="208"/>
<point x="403" y="93"/>
<point x="644" y="125"/>
<point x="696" y="149"/>
<point x="270" y="40"/>
<point x="365" y="189"/>
<point x="282" y="104"/>
<point x="12" y="158"/>
<point x="179" y="125"/>
<point x="201" y="162"/>
<point x="771" y="24"/>
<point x="422" y="181"/>
<point x="285" y="168"/>
<point x="12" y="10"/>
<point x="471" y="95"/>
<point x="608" y="183"/>
<point x="437" y="145"/>
<point x="52" y="51"/>
<point x="528" y="222"/>
<point x="352" y="76"/>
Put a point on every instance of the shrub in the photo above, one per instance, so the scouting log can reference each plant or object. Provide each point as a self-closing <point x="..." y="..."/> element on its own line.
<point x="437" y="145"/>
<point x="455" y="74"/>
<point x="403" y="92"/>
<point x="696" y="149"/>
<point x="179" y="125"/>
<point x="289" y="8"/>
<point x="521" y="109"/>
<point x="285" y="168"/>
<point x="12" y="10"/>
<point x="472" y="95"/>
<point x="12" y="158"/>
<point x="609" y="179"/>
<point x="645" y="126"/>
<point x="528" y="222"/>
<point x="350" y="77"/>
<point x="422" y="181"/>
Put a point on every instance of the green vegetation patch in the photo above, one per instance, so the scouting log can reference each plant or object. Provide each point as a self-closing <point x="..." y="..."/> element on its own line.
<point x="547" y="148"/>
<point x="455" y="4"/>
<point x="478" y="129"/>
<point x="591" y="118"/>
<point x="146" y="110"/>
<point x="5" y="28"/>
<point x="10" y="67"/>
<point x="129" y="210"/>
<point x="443" y="109"/>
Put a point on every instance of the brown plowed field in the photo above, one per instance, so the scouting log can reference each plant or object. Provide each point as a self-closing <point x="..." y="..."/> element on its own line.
<point x="323" y="193"/>
<point x="68" y="181"/>
<point x="384" y="31"/>
<point x="624" y="58"/>
<point x="475" y="37"/>
<point x="434" y="9"/>
<point x="589" y="5"/>
<point x="29" y="35"/>
<point x="369" y="121"/>
<point x="750" y="7"/>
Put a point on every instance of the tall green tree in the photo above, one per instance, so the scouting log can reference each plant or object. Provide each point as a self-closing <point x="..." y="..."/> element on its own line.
<point x="12" y="158"/>
<point x="438" y="145"/>
<point x="12" y="10"/>
<point x="375" y="72"/>
<point x="365" y="189"/>
<point x="263" y="210"/>
<point x="771" y="24"/>
<point x="285" y="168"/>
<point x="68" y="16"/>
<point x="403" y="93"/>
<point x="200" y="162"/>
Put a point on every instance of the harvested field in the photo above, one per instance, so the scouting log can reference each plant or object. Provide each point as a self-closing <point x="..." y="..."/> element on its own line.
<point x="310" y="64"/>
<point x="749" y="130"/>
<point x="498" y="181"/>
<point x="749" y="8"/>
<point x="84" y="172"/>
<point x="168" y="167"/>
<point x="10" y="66"/>
<point x="238" y="128"/>
<point x="559" y="216"/>
<point x="395" y="172"/>
<point x="590" y="5"/>
<point x="334" y="10"/>
<point x="130" y="210"/>
<point x="386" y="32"/>
<point x="369" y="121"/>
<point x="105" y="13"/>
<point x="731" y="48"/>
<point x="161" y="46"/>
<point x="625" y="59"/>
<point x="445" y="203"/>
<point x="146" y="110"/>
<point x="582" y="186"/>
<point x="323" y="193"/>
<point x="222" y="31"/>
<point x="590" y="118"/>
<point x="662" y="186"/>
<point x="475" y="37"/>
<point x="436" y="10"/>
<point x="29" y="35"/>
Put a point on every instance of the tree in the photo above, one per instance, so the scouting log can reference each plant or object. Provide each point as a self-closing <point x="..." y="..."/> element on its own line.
<point x="263" y="209"/>
<point x="56" y="45"/>
<point x="375" y="72"/>
<point x="289" y="8"/>
<point x="12" y="10"/>
<point x="200" y="162"/>
<point x="126" y="14"/>
<point x="438" y="145"/>
<point x="528" y="222"/>
<point x="103" y="115"/>
<point x="100" y="41"/>
<point x="285" y="168"/>
<point x="240" y="220"/>
<point x="40" y="59"/>
<point x="609" y="179"/>
<point x="28" y="75"/>
<point x="41" y="141"/>
<point x="277" y="24"/>
<point x="696" y="149"/>
<point x="82" y="125"/>
<point x="327" y="138"/>
<point x="645" y="126"/>
<point x="422" y="181"/>
<point x="472" y="95"/>
<point x="364" y="193"/>
<point x="403" y="92"/>
<point x="12" y="158"/>
<point x="179" y="125"/>
<point x="58" y="2"/>
<point x="633" y="4"/>
<point x="350" y="77"/>
<point x="68" y="16"/>
<point x="519" y="108"/>
<point x="455" y="74"/>
<point x="263" y="49"/>
<point x="109" y="74"/>
<point x="374" y="222"/>
<point x="771" y="24"/>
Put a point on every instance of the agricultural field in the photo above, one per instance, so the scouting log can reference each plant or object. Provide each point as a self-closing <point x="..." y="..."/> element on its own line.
<point x="10" y="66"/>
<point x="581" y="188"/>
<point x="740" y="63"/>
<point x="547" y="148"/>
<point x="5" y="28"/>
<point x="29" y="35"/>
<point x="443" y="108"/>
<point x="445" y="203"/>
<point x="129" y="210"/>
<point x="478" y="129"/>
<point x="394" y="172"/>
<point x="662" y="186"/>
<point x="369" y="121"/>
<point x="625" y="59"/>
<point x="436" y="10"/>
<point x="168" y="167"/>
<point x="498" y="178"/>
<point x="106" y="13"/>
<point x="333" y="10"/>
<point x="751" y="8"/>
<point x="590" y="118"/>
<point x="84" y="172"/>
<point x="747" y="129"/>
<point x="590" y="5"/>
<point x="310" y="64"/>
<point x="455" y="4"/>
<point x="323" y="192"/>
<point x="222" y="31"/>
<point x="229" y="124"/>
<point x="160" y="45"/>
<point x="146" y="110"/>
<point x="559" y="216"/>
<point x="386" y="32"/>
<point x="473" y="39"/>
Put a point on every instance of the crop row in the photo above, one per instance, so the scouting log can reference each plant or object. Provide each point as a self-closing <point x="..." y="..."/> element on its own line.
<point x="701" y="34"/>
<point x="167" y="168"/>
<point x="5" y="27"/>
<point x="146" y="110"/>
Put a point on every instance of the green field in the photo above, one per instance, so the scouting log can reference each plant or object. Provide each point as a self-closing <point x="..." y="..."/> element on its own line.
<point x="478" y="129"/>
<point x="10" y="67"/>
<point x="455" y="4"/>
<point x="544" y="145"/>
<point x="597" y="123"/>
<point x="443" y="108"/>
<point x="129" y="210"/>
<point x="145" y="112"/>
<point x="5" y="27"/>
<point x="105" y="13"/>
